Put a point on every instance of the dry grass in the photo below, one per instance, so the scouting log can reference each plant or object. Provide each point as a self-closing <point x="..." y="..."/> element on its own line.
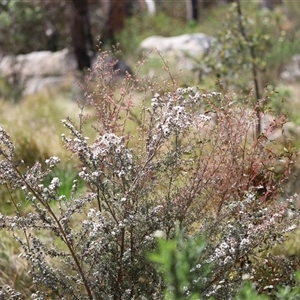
<point x="35" y="125"/>
<point x="13" y="269"/>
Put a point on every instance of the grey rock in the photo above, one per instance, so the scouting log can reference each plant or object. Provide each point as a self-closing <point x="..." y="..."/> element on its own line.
<point x="38" y="64"/>
<point x="40" y="70"/>
<point x="183" y="51"/>
<point x="291" y="71"/>
<point x="192" y="44"/>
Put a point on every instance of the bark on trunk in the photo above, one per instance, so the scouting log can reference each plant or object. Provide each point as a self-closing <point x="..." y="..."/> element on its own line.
<point x="115" y="20"/>
<point x="192" y="10"/>
<point x="81" y="35"/>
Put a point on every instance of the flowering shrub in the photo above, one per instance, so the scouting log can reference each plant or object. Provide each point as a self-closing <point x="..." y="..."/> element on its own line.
<point x="187" y="158"/>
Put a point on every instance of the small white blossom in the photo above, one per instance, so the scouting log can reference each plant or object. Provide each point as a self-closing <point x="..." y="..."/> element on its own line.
<point x="204" y="118"/>
<point x="158" y="234"/>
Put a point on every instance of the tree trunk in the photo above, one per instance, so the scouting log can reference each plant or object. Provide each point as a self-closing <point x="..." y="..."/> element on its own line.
<point x="192" y="10"/>
<point x="115" y="20"/>
<point x="81" y="34"/>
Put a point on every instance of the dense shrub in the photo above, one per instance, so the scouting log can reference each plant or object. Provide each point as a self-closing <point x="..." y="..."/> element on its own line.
<point x="187" y="159"/>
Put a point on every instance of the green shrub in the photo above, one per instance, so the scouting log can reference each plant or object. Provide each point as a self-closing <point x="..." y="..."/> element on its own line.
<point x="21" y="20"/>
<point x="182" y="266"/>
<point x="181" y="261"/>
<point x="256" y="40"/>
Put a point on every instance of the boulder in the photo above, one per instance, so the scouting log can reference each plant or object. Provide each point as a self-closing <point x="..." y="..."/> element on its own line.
<point x="44" y="69"/>
<point x="291" y="70"/>
<point x="38" y="64"/>
<point x="183" y="50"/>
<point x="195" y="44"/>
<point x="38" y="70"/>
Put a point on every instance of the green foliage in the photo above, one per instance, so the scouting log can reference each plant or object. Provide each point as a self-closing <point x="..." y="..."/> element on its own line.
<point x="256" y="40"/>
<point x="290" y="292"/>
<point x="68" y="177"/>
<point x="248" y="292"/>
<point x="8" y="90"/>
<point x="277" y="99"/>
<point x="17" y="19"/>
<point x="20" y="21"/>
<point x="179" y="260"/>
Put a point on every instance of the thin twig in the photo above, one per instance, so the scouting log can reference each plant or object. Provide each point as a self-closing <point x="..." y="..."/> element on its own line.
<point x="253" y="67"/>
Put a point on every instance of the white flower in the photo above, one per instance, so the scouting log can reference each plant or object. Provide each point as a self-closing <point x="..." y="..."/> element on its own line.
<point x="55" y="181"/>
<point x="158" y="234"/>
<point x="204" y="118"/>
